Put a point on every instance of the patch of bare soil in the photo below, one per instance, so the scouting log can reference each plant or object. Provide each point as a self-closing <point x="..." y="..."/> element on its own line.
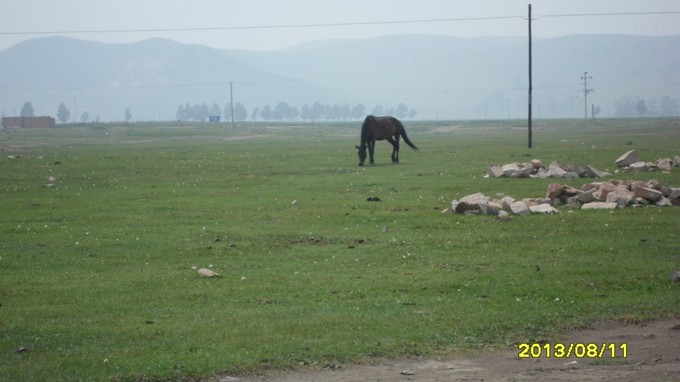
<point x="652" y="354"/>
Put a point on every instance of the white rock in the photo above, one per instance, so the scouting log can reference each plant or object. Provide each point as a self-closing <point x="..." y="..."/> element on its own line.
<point x="543" y="209"/>
<point x="205" y="272"/>
<point x="599" y="206"/>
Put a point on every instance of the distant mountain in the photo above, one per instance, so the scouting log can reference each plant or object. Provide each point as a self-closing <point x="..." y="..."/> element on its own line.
<point x="151" y="77"/>
<point x="440" y="76"/>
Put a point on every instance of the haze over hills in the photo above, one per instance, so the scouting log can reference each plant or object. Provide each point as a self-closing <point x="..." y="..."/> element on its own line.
<point x="441" y="77"/>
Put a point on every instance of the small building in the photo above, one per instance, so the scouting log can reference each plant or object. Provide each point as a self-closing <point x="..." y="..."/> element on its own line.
<point x="29" y="122"/>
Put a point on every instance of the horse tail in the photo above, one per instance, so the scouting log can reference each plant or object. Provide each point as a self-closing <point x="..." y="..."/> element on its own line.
<point x="403" y="134"/>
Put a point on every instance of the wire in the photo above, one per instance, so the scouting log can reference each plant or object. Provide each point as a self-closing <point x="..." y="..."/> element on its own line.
<point x="276" y="26"/>
<point x="330" y="25"/>
<point x="608" y="14"/>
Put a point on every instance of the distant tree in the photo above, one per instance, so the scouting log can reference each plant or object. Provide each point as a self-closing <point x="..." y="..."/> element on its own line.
<point x="358" y="111"/>
<point x="669" y="106"/>
<point x="402" y="111"/>
<point x="27" y="110"/>
<point x="240" y="112"/>
<point x="412" y="113"/>
<point x="318" y="110"/>
<point x="625" y="107"/>
<point x="63" y="114"/>
<point x="596" y="111"/>
<point x="215" y="110"/>
<point x="345" y="112"/>
<point x="255" y="114"/>
<point x="128" y="115"/>
<point x="378" y="110"/>
<point x="641" y="107"/>
<point x="180" y="114"/>
<point x="266" y="113"/>
<point x="85" y="117"/>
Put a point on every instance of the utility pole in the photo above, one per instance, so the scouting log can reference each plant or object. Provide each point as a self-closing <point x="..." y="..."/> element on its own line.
<point x="530" y="117"/>
<point x="231" y="97"/>
<point x="586" y="91"/>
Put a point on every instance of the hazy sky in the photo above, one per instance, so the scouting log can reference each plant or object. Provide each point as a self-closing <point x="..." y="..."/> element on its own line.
<point x="107" y="15"/>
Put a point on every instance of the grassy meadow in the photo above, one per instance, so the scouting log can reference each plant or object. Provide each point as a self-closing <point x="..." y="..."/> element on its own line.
<point x="96" y="278"/>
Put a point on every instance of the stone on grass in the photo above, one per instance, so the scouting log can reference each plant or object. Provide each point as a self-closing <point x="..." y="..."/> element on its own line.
<point x="205" y="272"/>
<point x="510" y="169"/>
<point x="519" y="208"/>
<point x="664" y="164"/>
<point x="490" y="208"/>
<point x="555" y="170"/>
<point x="674" y="196"/>
<point x="621" y="197"/>
<point x="640" y="166"/>
<point x="544" y="208"/>
<point x="504" y="216"/>
<point x="587" y="196"/>
<point x="599" y="206"/>
<point x="469" y="203"/>
<point x="555" y="190"/>
<point x="675" y="277"/>
<point x="592" y="172"/>
<point x="647" y="193"/>
<point x="495" y="171"/>
<point x="627" y="159"/>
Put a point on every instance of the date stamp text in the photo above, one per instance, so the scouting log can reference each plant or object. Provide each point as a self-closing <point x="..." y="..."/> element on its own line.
<point x="577" y="350"/>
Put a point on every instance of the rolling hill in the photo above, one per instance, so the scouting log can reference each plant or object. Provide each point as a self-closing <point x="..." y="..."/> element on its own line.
<point x="441" y="77"/>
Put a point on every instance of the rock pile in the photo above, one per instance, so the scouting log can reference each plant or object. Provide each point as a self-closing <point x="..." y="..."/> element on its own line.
<point x="594" y="195"/>
<point x="631" y="161"/>
<point x="536" y="169"/>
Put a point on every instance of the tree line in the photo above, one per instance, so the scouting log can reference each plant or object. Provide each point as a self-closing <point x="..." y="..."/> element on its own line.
<point x="282" y="111"/>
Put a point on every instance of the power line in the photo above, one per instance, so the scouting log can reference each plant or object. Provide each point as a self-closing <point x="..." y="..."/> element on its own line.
<point x="273" y="26"/>
<point x="328" y="25"/>
<point x="608" y="14"/>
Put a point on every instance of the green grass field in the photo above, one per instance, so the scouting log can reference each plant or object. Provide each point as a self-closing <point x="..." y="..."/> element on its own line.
<point x="96" y="278"/>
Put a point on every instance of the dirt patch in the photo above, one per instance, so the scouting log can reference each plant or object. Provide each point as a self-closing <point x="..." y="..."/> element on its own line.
<point x="652" y="354"/>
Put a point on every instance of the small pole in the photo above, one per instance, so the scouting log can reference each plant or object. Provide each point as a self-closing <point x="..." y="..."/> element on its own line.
<point x="586" y="91"/>
<point x="530" y="84"/>
<point x="231" y="97"/>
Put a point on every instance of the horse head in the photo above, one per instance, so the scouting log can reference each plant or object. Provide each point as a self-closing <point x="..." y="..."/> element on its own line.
<point x="362" y="154"/>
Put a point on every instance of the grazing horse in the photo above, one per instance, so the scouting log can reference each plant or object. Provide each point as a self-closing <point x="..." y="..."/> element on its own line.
<point x="379" y="128"/>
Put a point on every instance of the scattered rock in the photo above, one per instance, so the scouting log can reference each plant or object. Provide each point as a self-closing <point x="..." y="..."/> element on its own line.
<point x="373" y="199"/>
<point x="647" y="193"/>
<point x="599" y="206"/>
<point x="627" y="159"/>
<point x="504" y="216"/>
<point x="205" y="272"/>
<point x="520" y="208"/>
<point x="536" y="169"/>
<point x="664" y="164"/>
<point x="631" y="161"/>
<point x="469" y="203"/>
<point x="490" y="208"/>
<point x="544" y="208"/>
<point x="640" y="166"/>
<point x="595" y="195"/>
<point x="675" y="276"/>
<point x="592" y="172"/>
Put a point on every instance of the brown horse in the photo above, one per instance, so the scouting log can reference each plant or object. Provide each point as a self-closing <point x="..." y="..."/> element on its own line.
<point x="379" y="128"/>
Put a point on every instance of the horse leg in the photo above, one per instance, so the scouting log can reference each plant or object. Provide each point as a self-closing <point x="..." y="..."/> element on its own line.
<point x="395" y="149"/>
<point x="371" y="148"/>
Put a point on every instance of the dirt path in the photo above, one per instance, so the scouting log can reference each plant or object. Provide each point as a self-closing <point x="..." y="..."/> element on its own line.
<point x="653" y="354"/>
